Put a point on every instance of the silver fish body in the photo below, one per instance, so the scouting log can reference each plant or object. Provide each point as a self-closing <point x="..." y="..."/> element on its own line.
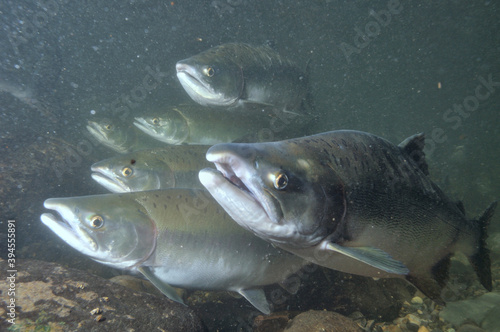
<point x="172" y="166"/>
<point x="350" y="201"/>
<point x="175" y="237"/>
<point x="193" y="124"/>
<point x="118" y="136"/>
<point x="232" y="74"/>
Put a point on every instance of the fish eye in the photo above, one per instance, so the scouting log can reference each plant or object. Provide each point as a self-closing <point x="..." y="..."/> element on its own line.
<point x="156" y="121"/>
<point x="108" y="127"/>
<point x="280" y="181"/>
<point x="209" y="71"/>
<point x="127" y="171"/>
<point x="96" y="221"/>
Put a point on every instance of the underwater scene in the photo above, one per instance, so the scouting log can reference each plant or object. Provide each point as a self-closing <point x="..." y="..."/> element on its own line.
<point x="244" y="165"/>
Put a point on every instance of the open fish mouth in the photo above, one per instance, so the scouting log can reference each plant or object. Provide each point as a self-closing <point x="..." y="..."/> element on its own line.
<point x="63" y="224"/>
<point x="238" y="202"/>
<point x="242" y="175"/>
<point x="236" y="186"/>
<point x="242" y="205"/>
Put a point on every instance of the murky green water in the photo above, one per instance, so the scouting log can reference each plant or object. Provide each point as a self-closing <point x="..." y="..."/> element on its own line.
<point x="390" y="68"/>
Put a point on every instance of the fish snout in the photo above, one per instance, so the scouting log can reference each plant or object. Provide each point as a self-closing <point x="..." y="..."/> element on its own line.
<point x="231" y="153"/>
<point x="180" y="67"/>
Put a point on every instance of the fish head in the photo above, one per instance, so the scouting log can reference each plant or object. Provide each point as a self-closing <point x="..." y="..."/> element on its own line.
<point x="211" y="79"/>
<point x="170" y="127"/>
<point x="137" y="171"/>
<point x="110" y="134"/>
<point x="269" y="190"/>
<point x="107" y="228"/>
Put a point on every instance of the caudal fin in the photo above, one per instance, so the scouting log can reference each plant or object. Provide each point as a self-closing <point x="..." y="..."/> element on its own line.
<point x="481" y="259"/>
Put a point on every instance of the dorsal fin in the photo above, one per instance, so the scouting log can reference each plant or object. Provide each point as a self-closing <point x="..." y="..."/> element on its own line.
<point x="414" y="147"/>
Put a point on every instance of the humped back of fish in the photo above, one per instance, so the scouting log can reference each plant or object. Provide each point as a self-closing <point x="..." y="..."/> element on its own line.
<point x="350" y="201"/>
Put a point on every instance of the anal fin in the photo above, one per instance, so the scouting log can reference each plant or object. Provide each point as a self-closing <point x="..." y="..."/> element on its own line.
<point x="427" y="285"/>
<point x="257" y="298"/>
<point x="433" y="283"/>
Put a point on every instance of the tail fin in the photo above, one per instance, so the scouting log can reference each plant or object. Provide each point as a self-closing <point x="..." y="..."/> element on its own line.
<point x="481" y="259"/>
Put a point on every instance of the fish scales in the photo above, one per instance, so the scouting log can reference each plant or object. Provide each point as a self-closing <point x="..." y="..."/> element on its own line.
<point x="234" y="75"/>
<point x="168" y="167"/>
<point x="193" y="124"/>
<point x="350" y="201"/>
<point x="247" y="55"/>
<point x="175" y="237"/>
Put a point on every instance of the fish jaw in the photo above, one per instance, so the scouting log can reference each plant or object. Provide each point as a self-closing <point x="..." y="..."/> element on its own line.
<point x="68" y="228"/>
<point x="198" y="89"/>
<point x="107" y="181"/>
<point x="96" y="131"/>
<point x="106" y="176"/>
<point x="160" y="133"/>
<point x="125" y="239"/>
<point x="237" y="168"/>
<point x="106" y="138"/>
<point x="231" y="186"/>
<point x="300" y="214"/>
<point x="115" y="183"/>
<point x="147" y="128"/>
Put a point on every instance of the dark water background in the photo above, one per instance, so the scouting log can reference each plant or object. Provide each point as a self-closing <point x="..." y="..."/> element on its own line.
<point x="78" y="57"/>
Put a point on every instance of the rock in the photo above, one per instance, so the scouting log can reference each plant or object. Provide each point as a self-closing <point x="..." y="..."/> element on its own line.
<point x="483" y="310"/>
<point x="51" y="297"/>
<point x="414" y="320"/>
<point x="491" y="319"/>
<point x="423" y="329"/>
<point x="380" y="300"/>
<point x="321" y="321"/>
<point x="391" y="328"/>
<point x="494" y="241"/>
<point x="417" y="301"/>
<point x="473" y="328"/>
<point x="273" y="322"/>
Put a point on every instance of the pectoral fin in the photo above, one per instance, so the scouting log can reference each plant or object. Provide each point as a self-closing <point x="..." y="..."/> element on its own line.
<point x="257" y="298"/>
<point x="166" y="289"/>
<point x="371" y="256"/>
